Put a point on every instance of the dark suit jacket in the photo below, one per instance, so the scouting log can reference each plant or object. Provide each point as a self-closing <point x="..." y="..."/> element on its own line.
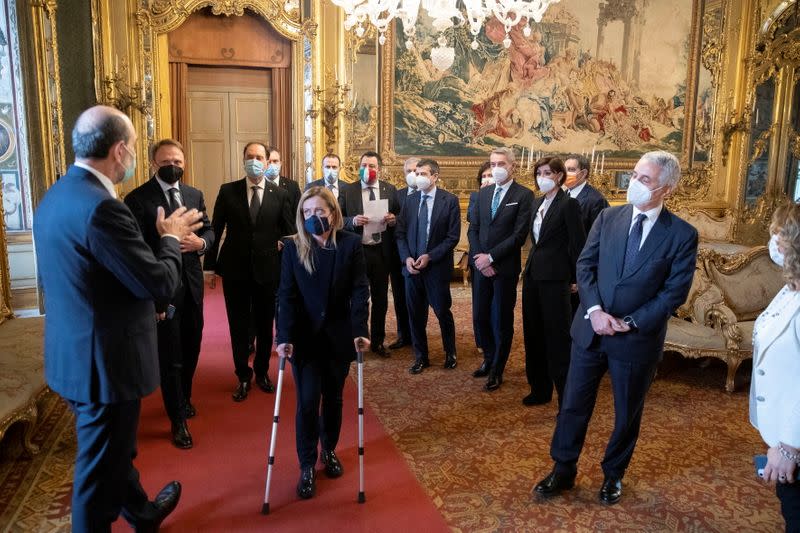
<point x="445" y="231"/>
<point x="402" y="196"/>
<point x="655" y="286"/>
<point x="352" y="204"/>
<point x="339" y="315"/>
<point x="249" y="251"/>
<point x="100" y="279"/>
<point x="471" y="206"/>
<point x="591" y="202"/>
<point x="561" y="240"/>
<point x="291" y="187"/>
<point x="143" y="202"/>
<point x="503" y="236"/>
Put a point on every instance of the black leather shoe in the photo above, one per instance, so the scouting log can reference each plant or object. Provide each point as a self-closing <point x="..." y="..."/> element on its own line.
<point x="181" y="437"/>
<point x="418" y="366"/>
<point x="265" y="384"/>
<point x="482" y="370"/>
<point x="307" y="485"/>
<point x="164" y="503"/>
<point x="611" y="491"/>
<point x="554" y="484"/>
<point x="381" y="350"/>
<point x="533" y="399"/>
<point x="450" y="361"/>
<point x="189" y="411"/>
<point x="333" y="467"/>
<point x="494" y="382"/>
<point x="240" y="394"/>
<point x="399" y="343"/>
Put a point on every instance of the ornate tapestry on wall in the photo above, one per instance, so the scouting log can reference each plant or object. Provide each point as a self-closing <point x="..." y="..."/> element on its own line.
<point x="609" y="75"/>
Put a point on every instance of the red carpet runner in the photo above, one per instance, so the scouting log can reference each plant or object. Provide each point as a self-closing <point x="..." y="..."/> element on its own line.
<point x="223" y="476"/>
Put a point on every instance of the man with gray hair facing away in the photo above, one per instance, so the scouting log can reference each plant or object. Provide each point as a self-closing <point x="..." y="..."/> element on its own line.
<point x="635" y="270"/>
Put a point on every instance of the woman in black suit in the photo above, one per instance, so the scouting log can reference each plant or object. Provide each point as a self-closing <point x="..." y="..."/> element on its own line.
<point x="484" y="178"/>
<point x="322" y="321"/>
<point x="557" y="238"/>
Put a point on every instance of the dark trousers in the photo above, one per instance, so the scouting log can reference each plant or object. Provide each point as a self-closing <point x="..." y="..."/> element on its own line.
<point x="105" y="480"/>
<point x="318" y="379"/>
<point x="423" y="290"/>
<point x="243" y="299"/>
<point x="789" y="496"/>
<point x="476" y="330"/>
<point x="630" y="381"/>
<point x="496" y="298"/>
<point x="378" y="275"/>
<point x="545" y="323"/>
<point x="400" y="306"/>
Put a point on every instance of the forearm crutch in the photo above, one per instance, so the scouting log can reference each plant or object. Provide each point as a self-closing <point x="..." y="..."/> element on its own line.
<point x="273" y="438"/>
<point x="360" y="359"/>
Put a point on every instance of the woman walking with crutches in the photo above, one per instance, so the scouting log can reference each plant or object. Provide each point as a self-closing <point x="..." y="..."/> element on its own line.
<point x="323" y="309"/>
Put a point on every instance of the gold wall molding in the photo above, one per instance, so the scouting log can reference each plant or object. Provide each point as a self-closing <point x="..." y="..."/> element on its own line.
<point x="129" y="40"/>
<point x="5" y="271"/>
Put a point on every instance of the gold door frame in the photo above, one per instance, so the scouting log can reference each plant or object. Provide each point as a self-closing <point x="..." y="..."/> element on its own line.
<point x="132" y="65"/>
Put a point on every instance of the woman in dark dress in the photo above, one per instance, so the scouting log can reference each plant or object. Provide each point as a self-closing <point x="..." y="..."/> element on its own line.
<point x="322" y="322"/>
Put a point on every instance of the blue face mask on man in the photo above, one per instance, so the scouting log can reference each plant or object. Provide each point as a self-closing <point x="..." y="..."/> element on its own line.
<point x="273" y="170"/>
<point x="253" y="168"/>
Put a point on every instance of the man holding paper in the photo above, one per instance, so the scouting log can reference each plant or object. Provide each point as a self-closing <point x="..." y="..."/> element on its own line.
<point x="370" y="208"/>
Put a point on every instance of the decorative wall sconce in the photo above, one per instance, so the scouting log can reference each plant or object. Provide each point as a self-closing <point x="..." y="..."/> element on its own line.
<point x="120" y="94"/>
<point x="731" y="126"/>
<point x="334" y="101"/>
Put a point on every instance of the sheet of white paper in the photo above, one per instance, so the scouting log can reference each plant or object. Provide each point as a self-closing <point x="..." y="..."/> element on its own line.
<point x="375" y="210"/>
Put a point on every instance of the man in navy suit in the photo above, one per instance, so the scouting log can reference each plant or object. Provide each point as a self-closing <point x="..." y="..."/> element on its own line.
<point x="100" y="279"/>
<point x="255" y="214"/>
<point x="496" y="236"/>
<point x="331" y="166"/>
<point x="180" y="335"/>
<point x="273" y="174"/>
<point x="590" y="199"/>
<point x="428" y="230"/>
<point x="380" y="247"/>
<point x="635" y="270"/>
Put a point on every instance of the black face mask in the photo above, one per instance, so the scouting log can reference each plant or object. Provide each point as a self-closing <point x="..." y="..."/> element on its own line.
<point x="170" y="173"/>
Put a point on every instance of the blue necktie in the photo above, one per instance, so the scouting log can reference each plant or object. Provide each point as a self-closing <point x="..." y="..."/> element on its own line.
<point x="422" y="226"/>
<point x="496" y="201"/>
<point x="634" y="242"/>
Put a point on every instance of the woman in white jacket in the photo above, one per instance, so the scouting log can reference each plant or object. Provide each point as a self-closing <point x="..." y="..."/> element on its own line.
<point x="775" y="388"/>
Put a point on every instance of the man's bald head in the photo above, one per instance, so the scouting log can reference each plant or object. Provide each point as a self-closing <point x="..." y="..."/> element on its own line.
<point x="98" y="129"/>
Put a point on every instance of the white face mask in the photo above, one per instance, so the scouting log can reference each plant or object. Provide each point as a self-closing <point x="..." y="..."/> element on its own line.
<point x="330" y="175"/>
<point x="500" y="175"/>
<point x="545" y="184"/>
<point x="411" y="179"/>
<point x="774" y="252"/>
<point x="423" y="182"/>
<point x="639" y="194"/>
<point x="487" y="182"/>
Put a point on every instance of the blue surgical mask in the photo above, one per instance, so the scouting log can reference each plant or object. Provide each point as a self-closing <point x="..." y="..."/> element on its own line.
<point x="273" y="170"/>
<point x="317" y="225"/>
<point x="254" y="168"/>
<point x="330" y="175"/>
<point x="130" y="170"/>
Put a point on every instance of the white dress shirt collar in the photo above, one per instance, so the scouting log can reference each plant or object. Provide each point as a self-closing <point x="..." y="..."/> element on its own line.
<point x="104" y="180"/>
<point x="575" y="191"/>
<point x="167" y="186"/>
<point x="651" y="214"/>
<point x="365" y="186"/>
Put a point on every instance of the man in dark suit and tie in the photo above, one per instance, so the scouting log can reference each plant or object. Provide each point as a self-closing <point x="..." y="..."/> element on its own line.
<point x="428" y="230"/>
<point x="635" y="270"/>
<point x="100" y="279"/>
<point x="496" y="237"/>
<point x="273" y="174"/>
<point x="179" y="336"/>
<point x="380" y="247"/>
<point x="331" y="166"/>
<point x="256" y="215"/>
<point x="590" y="199"/>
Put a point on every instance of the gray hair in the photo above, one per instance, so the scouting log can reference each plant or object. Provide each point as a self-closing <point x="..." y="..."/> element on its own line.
<point x="411" y="161"/>
<point x="669" y="165"/>
<point x="508" y="152"/>
<point x="96" y="131"/>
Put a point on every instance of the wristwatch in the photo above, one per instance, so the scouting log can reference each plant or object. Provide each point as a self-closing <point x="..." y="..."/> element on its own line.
<point x="628" y="319"/>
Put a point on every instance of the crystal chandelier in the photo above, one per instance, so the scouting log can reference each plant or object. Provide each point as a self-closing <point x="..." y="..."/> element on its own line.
<point x="381" y="13"/>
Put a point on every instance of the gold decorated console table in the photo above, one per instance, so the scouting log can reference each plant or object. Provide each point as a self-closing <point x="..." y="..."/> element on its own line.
<point x="732" y="285"/>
